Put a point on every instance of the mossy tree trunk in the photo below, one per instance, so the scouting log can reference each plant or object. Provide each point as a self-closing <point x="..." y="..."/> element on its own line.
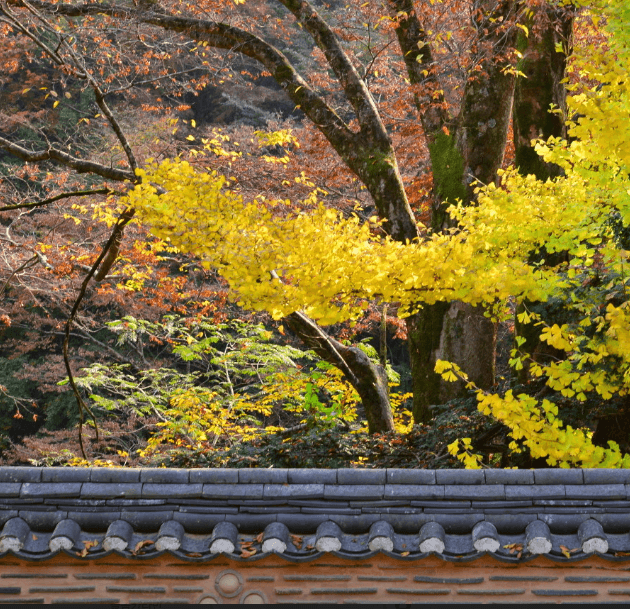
<point x="545" y="51"/>
<point x="463" y="149"/>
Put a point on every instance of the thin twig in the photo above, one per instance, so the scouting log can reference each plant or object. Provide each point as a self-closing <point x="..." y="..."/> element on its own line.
<point x="63" y="195"/>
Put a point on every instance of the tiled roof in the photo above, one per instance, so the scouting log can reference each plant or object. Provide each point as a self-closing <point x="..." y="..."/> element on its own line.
<point x="198" y="514"/>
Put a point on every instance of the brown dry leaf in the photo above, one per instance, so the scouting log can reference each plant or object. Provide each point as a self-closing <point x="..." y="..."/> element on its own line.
<point x="297" y="541"/>
<point x="514" y="547"/>
<point x="622" y="554"/>
<point x="140" y="545"/>
<point x="248" y="553"/>
<point x="310" y="546"/>
<point x="194" y="555"/>
<point x="259" y="538"/>
<point x="519" y="555"/>
<point x="34" y="537"/>
<point x="405" y="553"/>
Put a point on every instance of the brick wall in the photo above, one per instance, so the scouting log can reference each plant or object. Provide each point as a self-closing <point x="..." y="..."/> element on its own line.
<point x="272" y="579"/>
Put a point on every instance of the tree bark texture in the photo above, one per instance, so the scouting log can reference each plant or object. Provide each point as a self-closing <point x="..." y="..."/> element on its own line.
<point x="463" y="150"/>
<point x="545" y="52"/>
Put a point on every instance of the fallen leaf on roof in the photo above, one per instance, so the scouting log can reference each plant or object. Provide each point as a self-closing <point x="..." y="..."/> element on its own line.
<point x="514" y="547"/>
<point x="259" y="538"/>
<point x="140" y="545"/>
<point x="248" y="553"/>
<point x="297" y="541"/>
<point x="405" y="553"/>
<point x="91" y="543"/>
<point x="194" y="554"/>
<point x="568" y="552"/>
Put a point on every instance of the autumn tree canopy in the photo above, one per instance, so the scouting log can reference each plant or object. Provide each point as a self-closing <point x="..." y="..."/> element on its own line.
<point x="415" y="109"/>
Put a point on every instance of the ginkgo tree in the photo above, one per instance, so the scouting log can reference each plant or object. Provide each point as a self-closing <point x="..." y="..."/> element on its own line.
<point x="307" y="261"/>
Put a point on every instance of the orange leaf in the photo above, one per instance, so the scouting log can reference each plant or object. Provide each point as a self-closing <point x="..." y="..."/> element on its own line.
<point x="297" y="541"/>
<point x="140" y="545"/>
<point x="248" y="553"/>
<point x="259" y="538"/>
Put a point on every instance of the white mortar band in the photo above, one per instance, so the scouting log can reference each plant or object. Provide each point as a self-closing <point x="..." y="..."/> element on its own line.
<point x="10" y="543"/>
<point x="274" y="545"/>
<point x="595" y="544"/>
<point x="60" y="543"/>
<point x="433" y="544"/>
<point x="328" y="544"/>
<point x="167" y="543"/>
<point x="381" y="543"/>
<point x="222" y="545"/>
<point x="539" y="545"/>
<point x="487" y="544"/>
<point x="114" y="543"/>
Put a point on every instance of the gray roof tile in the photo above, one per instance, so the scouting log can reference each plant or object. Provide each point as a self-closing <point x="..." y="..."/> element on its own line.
<point x="65" y="474"/>
<point x="361" y="476"/>
<point x="491" y="492"/>
<point x="263" y="476"/>
<point x="233" y="491"/>
<point x="111" y="474"/>
<point x="159" y="490"/>
<point x="509" y="476"/>
<point x="402" y="501"/>
<point x="162" y="475"/>
<point x="534" y="491"/>
<point x="414" y="491"/>
<point x="312" y="476"/>
<point x="595" y="491"/>
<point x="460" y="476"/>
<point x="20" y="474"/>
<point x="558" y="476"/>
<point x="10" y="489"/>
<point x="109" y="490"/>
<point x="410" y="476"/>
<point x="51" y="489"/>
<point x="214" y="476"/>
<point x="351" y="492"/>
<point x="606" y="476"/>
<point x="293" y="491"/>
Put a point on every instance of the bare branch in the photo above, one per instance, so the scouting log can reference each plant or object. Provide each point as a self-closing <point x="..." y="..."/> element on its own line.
<point x="63" y="195"/>
<point x="79" y="165"/>
<point x="353" y="85"/>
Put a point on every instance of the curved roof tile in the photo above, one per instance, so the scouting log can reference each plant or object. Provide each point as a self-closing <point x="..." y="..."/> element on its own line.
<point x="199" y="514"/>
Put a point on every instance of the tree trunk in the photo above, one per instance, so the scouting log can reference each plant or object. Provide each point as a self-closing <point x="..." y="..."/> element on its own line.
<point x="471" y="150"/>
<point x="368" y="379"/>
<point x="544" y="62"/>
